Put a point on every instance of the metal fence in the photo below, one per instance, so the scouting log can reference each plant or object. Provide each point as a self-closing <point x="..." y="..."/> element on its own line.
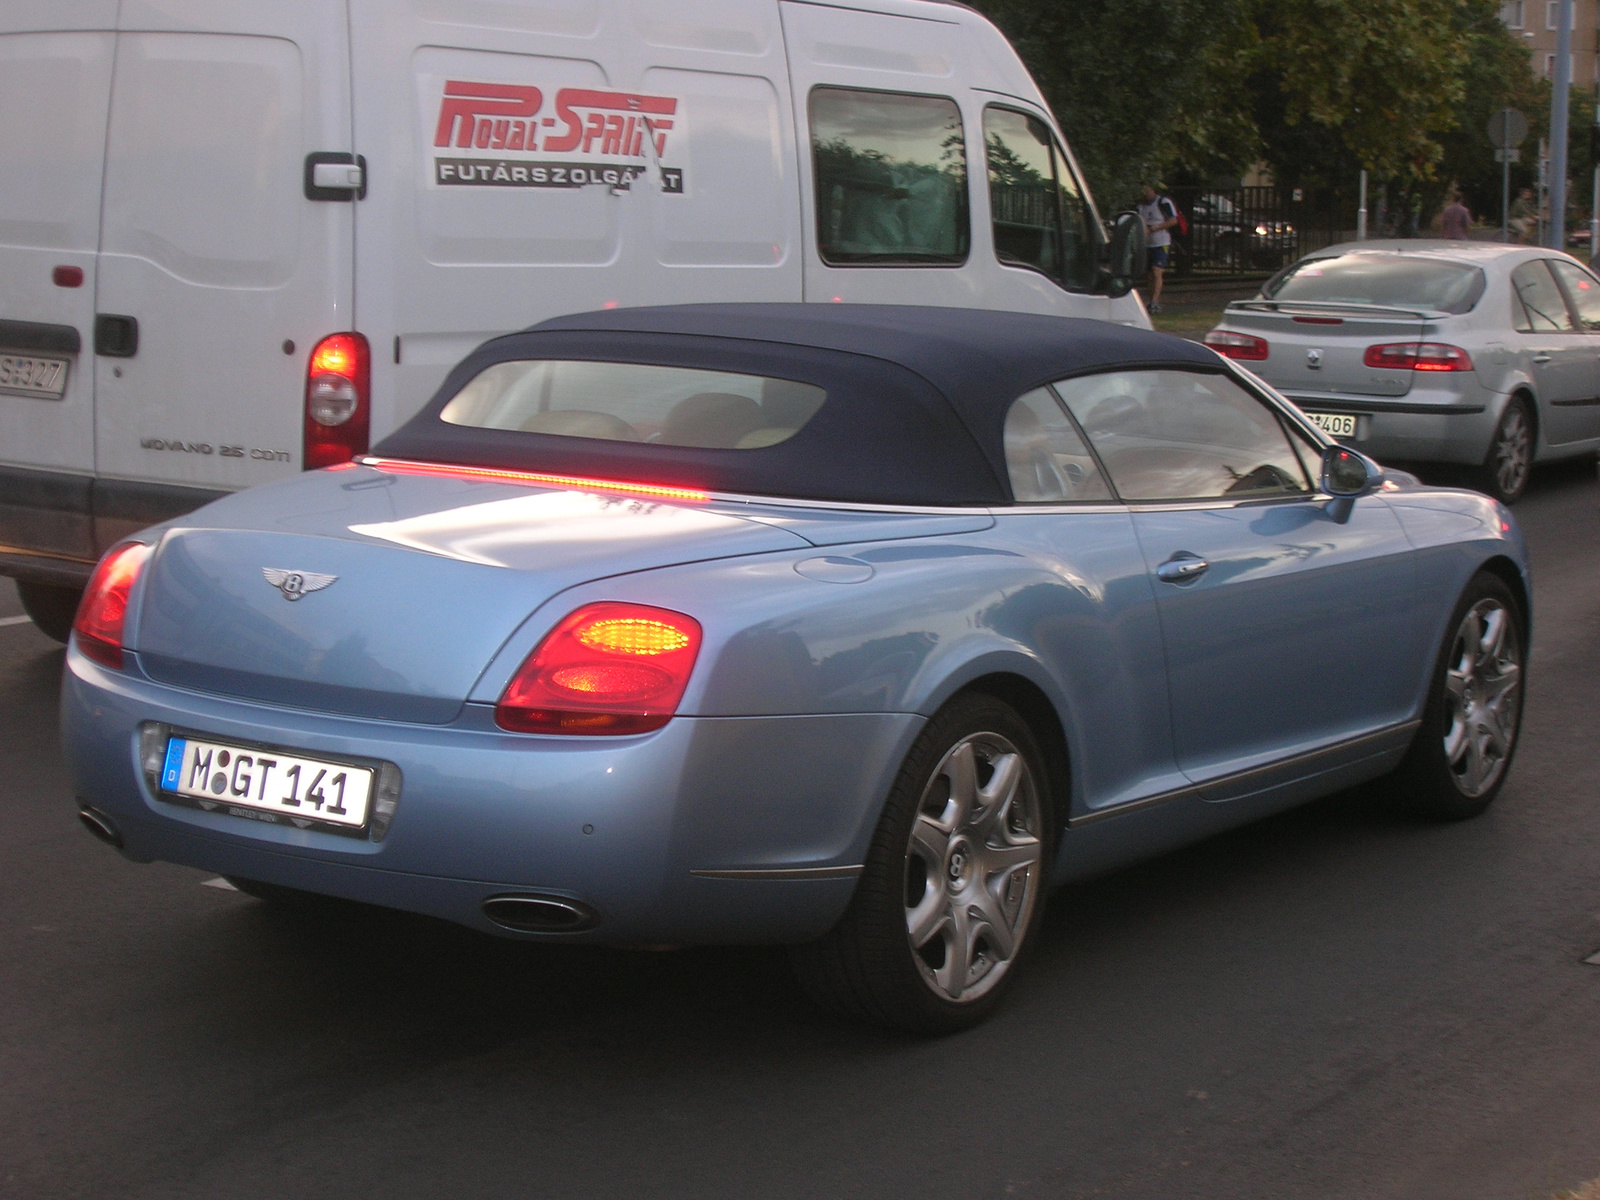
<point x="1254" y="230"/>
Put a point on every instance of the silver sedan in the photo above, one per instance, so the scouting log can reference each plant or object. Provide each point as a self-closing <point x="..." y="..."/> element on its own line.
<point x="1471" y="353"/>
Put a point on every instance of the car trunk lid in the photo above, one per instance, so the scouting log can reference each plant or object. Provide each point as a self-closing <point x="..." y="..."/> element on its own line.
<point x="1316" y="347"/>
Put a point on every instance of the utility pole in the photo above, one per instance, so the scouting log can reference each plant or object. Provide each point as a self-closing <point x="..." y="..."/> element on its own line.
<point x="1361" y="212"/>
<point x="1560" y="101"/>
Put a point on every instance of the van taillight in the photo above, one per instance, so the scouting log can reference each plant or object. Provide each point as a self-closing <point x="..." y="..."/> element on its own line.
<point x="338" y="415"/>
<point x="608" y="668"/>
<point x="103" y="610"/>
<point x="1417" y="356"/>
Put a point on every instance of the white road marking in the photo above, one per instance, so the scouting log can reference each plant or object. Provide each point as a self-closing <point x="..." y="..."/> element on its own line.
<point x="220" y="884"/>
<point x="4" y="621"/>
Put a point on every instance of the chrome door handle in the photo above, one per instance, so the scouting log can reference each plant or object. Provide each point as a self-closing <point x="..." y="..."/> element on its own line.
<point x="1541" y="359"/>
<point x="1182" y="567"/>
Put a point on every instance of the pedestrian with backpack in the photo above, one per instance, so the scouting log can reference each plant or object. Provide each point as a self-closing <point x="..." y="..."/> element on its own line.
<point x="1160" y="216"/>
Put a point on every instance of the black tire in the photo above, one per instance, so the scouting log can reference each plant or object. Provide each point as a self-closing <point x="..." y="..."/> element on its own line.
<point x="981" y="903"/>
<point x="1462" y="752"/>
<point x="1507" y="466"/>
<point x="50" y="608"/>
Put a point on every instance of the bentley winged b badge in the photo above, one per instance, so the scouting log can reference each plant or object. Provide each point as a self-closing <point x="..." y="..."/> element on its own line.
<point x="294" y="584"/>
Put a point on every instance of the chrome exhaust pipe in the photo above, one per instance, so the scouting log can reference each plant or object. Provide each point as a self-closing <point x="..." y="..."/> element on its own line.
<point x="97" y="823"/>
<point x="529" y="913"/>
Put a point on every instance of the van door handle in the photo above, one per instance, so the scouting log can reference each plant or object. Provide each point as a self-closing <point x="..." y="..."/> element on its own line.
<point x="116" y="336"/>
<point x="1182" y="567"/>
<point x="1540" y="359"/>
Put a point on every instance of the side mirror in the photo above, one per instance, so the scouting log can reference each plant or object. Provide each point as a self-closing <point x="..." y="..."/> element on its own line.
<point x="1125" y="256"/>
<point x="1347" y="474"/>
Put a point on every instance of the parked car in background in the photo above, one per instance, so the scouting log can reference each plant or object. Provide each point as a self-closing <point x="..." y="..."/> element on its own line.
<point x="1223" y="234"/>
<point x="1471" y="353"/>
<point x="850" y="627"/>
<point x="239" y="241"/>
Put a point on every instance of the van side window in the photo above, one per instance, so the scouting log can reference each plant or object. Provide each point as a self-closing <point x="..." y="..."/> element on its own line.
<point x="1040" y="217"/>
<point x="891" y="172"/>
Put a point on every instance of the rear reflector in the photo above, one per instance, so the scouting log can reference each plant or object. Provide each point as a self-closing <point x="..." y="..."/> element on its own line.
<point x="399" y="466"/>
<point x="338" y="412"/>
<point x="98" y="627"/>
<point x="1237" y="345"/>
<point x="1417" y="356"/>
<point x="608" y="668"/>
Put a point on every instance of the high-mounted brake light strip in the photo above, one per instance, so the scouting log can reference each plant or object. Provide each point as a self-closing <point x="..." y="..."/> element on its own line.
<point x="400" y="466"/>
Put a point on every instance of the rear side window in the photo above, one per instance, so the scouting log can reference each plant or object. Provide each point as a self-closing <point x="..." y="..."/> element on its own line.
<point x="1045" y="456"/>
<point x="891" y="175"/>
<point x="1173" y="435"/>
<point x="1583" y="290"/>
<point x="1539" y="307"/>
<point x="635" y="402"/>
<point x="1040" y="217"/>
<point x="1373" y="277"/>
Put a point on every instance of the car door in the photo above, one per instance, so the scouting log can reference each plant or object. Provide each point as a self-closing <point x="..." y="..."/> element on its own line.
<point x="1550" y="345"/>
<point x="1576" y="417"/>
<point x="1288" y="619"/>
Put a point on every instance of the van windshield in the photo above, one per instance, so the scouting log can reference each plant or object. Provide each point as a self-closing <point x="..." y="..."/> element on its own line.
<point x="1370" y="277"/>
<point x="635" y="402"/>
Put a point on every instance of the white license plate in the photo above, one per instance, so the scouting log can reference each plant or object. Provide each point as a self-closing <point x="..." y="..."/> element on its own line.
<point x="1334" y="424"/>
<point x="27" y="375"/>
<point x="267" y="781"/>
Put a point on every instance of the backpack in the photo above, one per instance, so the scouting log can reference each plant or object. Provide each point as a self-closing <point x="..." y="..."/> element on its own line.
<point x="1183" y="222"/>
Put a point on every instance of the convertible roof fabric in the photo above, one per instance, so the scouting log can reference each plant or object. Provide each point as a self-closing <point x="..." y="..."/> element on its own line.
<point x="917" y="397"/>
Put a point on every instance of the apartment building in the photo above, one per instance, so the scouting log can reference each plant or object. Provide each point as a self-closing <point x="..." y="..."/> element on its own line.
<point x="1535" y="21"/>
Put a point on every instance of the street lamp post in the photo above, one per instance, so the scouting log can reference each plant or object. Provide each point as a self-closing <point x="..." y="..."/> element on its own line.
<point x="1560" y="101"/>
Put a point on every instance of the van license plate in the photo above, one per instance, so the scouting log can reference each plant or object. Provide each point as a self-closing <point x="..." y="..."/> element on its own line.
<point x="1334" y="424"/>
<point x="29" y="375"/>
<point x="267" y="781"/>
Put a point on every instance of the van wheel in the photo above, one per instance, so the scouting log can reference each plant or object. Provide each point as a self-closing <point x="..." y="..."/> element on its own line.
<point x="1458" y="762"/>
<point x="953" y="885"/>
<point x="1505" y="471"/>
<point x="50" y="608"/>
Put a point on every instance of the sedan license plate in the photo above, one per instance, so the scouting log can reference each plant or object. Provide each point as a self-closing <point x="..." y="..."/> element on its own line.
<point x="267" y="781"/>
<point x="1334" y="424"/>
<point x="29" y="375"/>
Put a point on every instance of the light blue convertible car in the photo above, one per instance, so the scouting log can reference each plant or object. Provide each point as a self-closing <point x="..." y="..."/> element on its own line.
<point x="851" y="628"/>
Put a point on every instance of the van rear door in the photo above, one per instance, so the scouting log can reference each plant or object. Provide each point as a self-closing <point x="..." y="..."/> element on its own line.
<point x="55" y="76"/>
<point x="218" y="275"/>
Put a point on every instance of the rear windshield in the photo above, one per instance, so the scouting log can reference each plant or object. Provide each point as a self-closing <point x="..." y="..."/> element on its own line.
<point x="635" y="402"/>
<point x="1400" y="280"/>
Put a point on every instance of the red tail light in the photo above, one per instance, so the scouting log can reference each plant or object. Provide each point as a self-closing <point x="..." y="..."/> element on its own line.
<point x="1237" y="345"/>
<point x="1417" y="356"/>
<point x="338" y="400"/>
<point x="609" y="668"/>
<point x="104" y="607"/>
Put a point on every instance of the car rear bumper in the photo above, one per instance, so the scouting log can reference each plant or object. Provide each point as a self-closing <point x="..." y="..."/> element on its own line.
<point x="1451" y="425"/>
<point x="712" y="829"/>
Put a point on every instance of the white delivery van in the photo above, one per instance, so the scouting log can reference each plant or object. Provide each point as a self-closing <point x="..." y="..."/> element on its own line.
<point x="241" y="239"/>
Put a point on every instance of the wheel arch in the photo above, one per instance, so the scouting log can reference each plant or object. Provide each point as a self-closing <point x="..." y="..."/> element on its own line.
<point x="1524" y="391"/>
<point x="1504" y="569"/>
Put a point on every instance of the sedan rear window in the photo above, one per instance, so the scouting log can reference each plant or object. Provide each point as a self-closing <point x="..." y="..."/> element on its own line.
<point x="1369" y="277"/>
<point x="635" y="402"/>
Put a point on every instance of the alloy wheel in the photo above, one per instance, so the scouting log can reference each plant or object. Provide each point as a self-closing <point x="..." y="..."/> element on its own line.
<point x="1483" y="690"/>
<point x="1513" y="451"/>
<point x="974" y="865"/>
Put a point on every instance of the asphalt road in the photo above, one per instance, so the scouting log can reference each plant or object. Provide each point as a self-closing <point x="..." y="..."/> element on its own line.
<point x="1333" y="1003"/>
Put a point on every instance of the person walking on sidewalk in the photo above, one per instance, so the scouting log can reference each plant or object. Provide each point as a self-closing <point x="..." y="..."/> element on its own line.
<point x="1160" y="216"/>
<point x="1456" y="219"/>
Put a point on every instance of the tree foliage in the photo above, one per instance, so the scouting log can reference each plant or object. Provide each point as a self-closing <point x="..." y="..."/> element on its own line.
<point x="1190" y="90"/>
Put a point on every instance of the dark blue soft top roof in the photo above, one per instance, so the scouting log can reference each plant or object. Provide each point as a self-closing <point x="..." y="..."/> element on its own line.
<point x="917" y="397"/>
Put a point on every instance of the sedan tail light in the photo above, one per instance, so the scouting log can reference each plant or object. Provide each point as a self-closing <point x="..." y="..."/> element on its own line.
<point x="1237" y="345"/>
<point x="1417" y="356"/>
<point x="338" y="400"/>
<point x="608" y="668"/>
<point x="102" y="612"/>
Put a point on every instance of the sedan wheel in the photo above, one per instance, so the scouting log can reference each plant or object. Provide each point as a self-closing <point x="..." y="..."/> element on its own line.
<point x="953" y="884"/>
<point x="1469" y="730"/>
<point x="1505" y="471"/>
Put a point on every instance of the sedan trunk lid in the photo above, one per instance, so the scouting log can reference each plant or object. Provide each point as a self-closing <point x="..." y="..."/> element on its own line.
<point x="1315" y="347"/>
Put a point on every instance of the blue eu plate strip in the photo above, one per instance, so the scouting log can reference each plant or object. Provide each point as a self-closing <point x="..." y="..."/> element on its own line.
<point x="174" y="764"/>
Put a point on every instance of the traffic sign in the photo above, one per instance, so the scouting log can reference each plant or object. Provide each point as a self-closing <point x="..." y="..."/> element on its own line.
<point x="1507" y="128"/>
